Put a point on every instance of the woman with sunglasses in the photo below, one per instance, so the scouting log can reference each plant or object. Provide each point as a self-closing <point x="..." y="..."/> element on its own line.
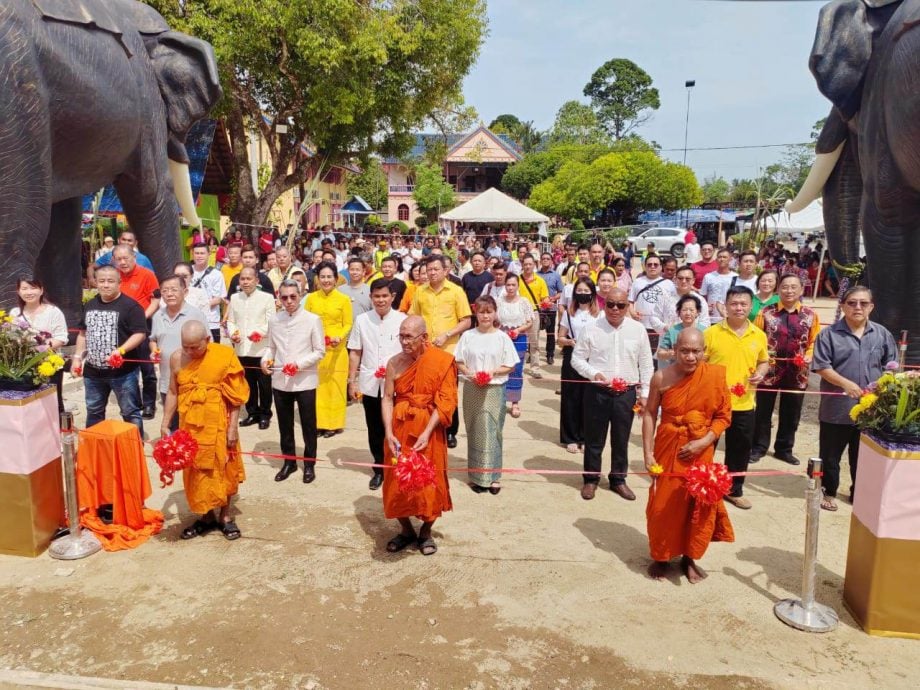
<point x="334" y="309"/>
<point x="515" y="314"/>
<point x="581" y="312"/>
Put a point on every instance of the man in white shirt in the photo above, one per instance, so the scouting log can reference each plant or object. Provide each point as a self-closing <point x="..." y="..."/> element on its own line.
<point x="652" y="299"/>
<point x="496" y="289"/>
<point x="247" y="323"/>
<point x="211" y="281"/>
<point x="614" y="353"/>
<point x="374" y="338"/>
<point x="295" y="342"/>
<point x="747" y="262"/>
<point x="716" y="285"/>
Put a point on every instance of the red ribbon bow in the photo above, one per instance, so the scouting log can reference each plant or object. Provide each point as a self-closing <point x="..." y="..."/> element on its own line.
<point x="414" y="471"/>
<point x="155" y="357"/>
<point x="707" y="483"/>
<point x="739" y="390"/>
<point x="255" y="337"/>
<point x="289" y="369"/>
<point x="619" y="385"/>
<point x="174" y="453"/>
<point x="799" y="361"/>
<point x="115" y="360"/>
<point x="327" y="340"/>
<point x="513" y="334"/>
<point x="482" y="378"/>
<point x="381" y="373"/>
<point x="545" y="304"/>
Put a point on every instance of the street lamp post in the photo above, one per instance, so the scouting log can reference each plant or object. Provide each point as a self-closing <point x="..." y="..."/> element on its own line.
<point x="690" y="83"/>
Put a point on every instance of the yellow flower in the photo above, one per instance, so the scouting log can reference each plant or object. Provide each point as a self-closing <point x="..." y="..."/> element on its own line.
<point x="655" y="470"/>
<point x="857" y="410"/>
<point x="885" y="379"/>
<point x="46" y="369"/>
<point x="868" y="400"/>
<point x="55" y="360"/>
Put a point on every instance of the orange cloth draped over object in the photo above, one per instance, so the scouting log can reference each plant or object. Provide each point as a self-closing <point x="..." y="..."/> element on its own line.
<point x="208" y="389"/>
<point x="427" y="387"/>
<point x="699" y="403"/>
<point x="111" y="468"/>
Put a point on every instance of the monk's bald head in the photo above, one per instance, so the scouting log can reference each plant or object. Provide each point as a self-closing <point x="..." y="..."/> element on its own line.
<point x="689" y="349"/>
<point x="413" y="325"/>
<point x="413" y="336"/>
<point x="691" y="337"/>
<point x="195" y="337"/>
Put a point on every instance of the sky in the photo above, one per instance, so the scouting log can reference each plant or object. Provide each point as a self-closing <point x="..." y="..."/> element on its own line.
<point x="749" y="61"/>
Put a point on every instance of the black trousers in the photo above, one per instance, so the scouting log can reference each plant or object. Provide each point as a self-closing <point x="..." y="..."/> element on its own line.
<point x="548" y="323"/>
<point x="376" y="432"/>
<point x="150" y="393"/>
<point x="832" y="440"/>
<point x="455" y="420"/>
<point x="571" y="408"/>
<point x="602" y="408"/>
<point x="215" y="335"/>
<point x="284" y="409"/>
<point x="738" y="440"/>
<point x="790" y="411"/>
<point x="259" y="404"/>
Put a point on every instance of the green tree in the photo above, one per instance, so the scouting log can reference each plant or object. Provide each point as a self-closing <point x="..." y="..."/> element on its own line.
<point x="345" y="77"/>
<point x="370" y="184"/>
<point x="536" y="167"/>
<point x="505" y="124"/>
<point x="622" y="95"/>
<point x="432" y="193"/>
<point x="716" y="189"/>
<point x="743" y="190"/>
<point x="576" y="123"/>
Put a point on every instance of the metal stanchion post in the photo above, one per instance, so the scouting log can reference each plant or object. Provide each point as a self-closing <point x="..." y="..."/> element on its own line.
<point x="77" y="544"/>
<point x="807" y="614"/>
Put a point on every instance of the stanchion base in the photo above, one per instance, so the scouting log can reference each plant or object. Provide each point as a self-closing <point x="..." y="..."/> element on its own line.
<point x="72" y="547"/>
<point x="819" y="618"/>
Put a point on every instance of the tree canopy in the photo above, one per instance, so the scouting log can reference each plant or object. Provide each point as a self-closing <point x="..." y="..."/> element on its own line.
<point x="345" y="77"/>
<point x="370" y="184"/>
<point x="577" y="123"/>
<point x="622" y="95"/>
<point x="432" y="193"/>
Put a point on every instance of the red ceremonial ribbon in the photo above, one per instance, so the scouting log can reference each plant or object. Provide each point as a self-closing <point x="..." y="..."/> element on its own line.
<point x="739" y="389"/>
<point x="115" y="360"/>
<point x="155" y="357"/>
<point x="174" y="453"/>
<point x="255" y="337"/>
<point x="707" y="483"/>
<point x="327" y="340"/>
<point x="513" y="334"/>
<point x="619" y="385"/>
<point x="414" y="471"/>
<point x="381" y="373"/>
<point x="289" y="369"/>
<point x="482" y="378"/>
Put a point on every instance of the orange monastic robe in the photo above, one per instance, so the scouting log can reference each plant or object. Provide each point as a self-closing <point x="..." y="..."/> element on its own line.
<point x="208" y="389"/>
<point x="427" y="387"/>
<point x="699" y="403"/>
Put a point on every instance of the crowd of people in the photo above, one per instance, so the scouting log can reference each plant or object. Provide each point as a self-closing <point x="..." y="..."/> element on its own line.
<point x="699" y="350"/>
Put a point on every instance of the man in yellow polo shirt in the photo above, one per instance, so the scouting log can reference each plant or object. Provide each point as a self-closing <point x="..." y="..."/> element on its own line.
<point x="596" y="260"/>
<point x="533" y="289"/>
<point x="741" y="348"/>
<point x="447" y="314"/>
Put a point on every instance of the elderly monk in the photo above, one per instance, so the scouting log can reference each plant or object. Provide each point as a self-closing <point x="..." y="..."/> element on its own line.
<point x="208" y="386"/>
<point x="695" y="410"/>
<point x="423" y="379"/>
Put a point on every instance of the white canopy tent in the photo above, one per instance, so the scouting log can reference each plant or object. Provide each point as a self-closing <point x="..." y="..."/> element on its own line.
<point x="808" y="221"/>
<point x="492" y="206"/>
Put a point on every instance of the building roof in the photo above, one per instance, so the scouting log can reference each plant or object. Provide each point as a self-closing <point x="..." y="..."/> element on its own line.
<point x="454" y="142"/>
<point x="357" y="205"/>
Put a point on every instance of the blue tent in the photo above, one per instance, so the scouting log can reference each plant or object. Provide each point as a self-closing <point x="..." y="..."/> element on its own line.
<point x="198" y="145"/>
<point x="687" y="216"/>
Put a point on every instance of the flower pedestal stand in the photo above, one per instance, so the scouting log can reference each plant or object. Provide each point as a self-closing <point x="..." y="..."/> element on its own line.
<point x="881" y="589"/>
<point x="31" y="488"/>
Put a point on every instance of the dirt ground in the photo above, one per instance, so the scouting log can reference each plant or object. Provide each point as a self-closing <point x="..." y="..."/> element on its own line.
<point x="533" y="588"/>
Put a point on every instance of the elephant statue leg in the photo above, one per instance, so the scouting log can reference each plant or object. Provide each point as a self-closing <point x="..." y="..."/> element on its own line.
<point x="58" y="262"/>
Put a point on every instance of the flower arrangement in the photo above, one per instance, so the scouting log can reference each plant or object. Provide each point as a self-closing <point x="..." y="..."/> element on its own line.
<point x="174" y="453"/>
<point x="414" y="471"/>
<point x="25" y="354"/>
<point x="707" y="484"/>
<point x="891" y="404"/>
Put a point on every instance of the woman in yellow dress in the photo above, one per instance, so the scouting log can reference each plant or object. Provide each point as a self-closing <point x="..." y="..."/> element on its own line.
<point x="334" y="309"/>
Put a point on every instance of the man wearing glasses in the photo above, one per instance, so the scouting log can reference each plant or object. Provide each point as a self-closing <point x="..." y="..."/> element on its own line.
<point x="848" y="356"/>
<point x="651" y="300"/>
<point x="614" y="353"/>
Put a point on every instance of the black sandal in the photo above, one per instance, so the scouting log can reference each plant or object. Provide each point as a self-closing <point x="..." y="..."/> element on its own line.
<point x="478" y="489"/>
<point x="427" y="546"/>
<point x="230" y="531"/>
<point x="197" y="528"/>
<point x="399" y="542"/>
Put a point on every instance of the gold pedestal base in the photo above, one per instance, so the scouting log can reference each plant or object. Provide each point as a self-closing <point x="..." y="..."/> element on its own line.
<point x="33" y="509"/>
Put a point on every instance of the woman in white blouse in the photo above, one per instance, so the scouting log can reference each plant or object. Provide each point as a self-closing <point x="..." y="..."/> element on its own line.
<point x="45" y="318"/>
<point x="580" y="314"/>
<point x="515" y="314"/>
<point x="484" y="357"/>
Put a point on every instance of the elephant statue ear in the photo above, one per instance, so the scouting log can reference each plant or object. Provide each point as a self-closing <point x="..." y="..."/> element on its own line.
<point x="841" y="52"/>
<point x="186" y="71"/>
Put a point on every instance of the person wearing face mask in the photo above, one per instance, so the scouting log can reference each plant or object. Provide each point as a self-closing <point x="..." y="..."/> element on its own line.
<point x="572" y="322"/>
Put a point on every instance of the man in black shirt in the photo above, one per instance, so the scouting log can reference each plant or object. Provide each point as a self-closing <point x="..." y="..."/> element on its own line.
<point x="112" y="327"/>
<point x="474" y="281"/>
<point x="388" y="268"/>
<point x="250" y="259"/>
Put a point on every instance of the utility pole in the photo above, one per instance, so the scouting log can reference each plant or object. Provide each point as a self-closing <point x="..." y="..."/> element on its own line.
<point x="690" y="83"/>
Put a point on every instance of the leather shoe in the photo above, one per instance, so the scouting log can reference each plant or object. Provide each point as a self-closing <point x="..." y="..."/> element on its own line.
<point x="550" y="359"/>
<point x="149" y="412"/>
<point x="249" y="421"/>
<point x="287" y="469"/>
<point x="309" y="474"/>
<point x="451" y="441"/>
<point x="787" y="457"/>
<point x="755" y="458"/>
<point x="738" y="502"/>
<point x="623" y="491"/>
<point x="264" y="423"/>
<point x="587" y="491"/>
<point x="375" y="482"/>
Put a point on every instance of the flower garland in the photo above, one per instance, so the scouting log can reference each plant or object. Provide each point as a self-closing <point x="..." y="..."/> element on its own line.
<point x="707" y="484"/>
<point x="414" y="471"/>
<point x="174" y="453"/>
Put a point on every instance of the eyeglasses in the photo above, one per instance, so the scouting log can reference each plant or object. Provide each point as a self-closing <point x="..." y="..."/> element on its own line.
<point x="616" y="305"/>
<point x="858" y="303"/>
<point x="651" y="265"/>
<point x="409" y="338"/>
<point x="683" y="278"/>
<point x="288" y="298"/>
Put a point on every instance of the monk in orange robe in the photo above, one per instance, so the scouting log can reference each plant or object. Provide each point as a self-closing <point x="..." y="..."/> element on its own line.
<point x="208" y="386"/>
<point x="423" y="379"/>
<point x="695" y="410"/>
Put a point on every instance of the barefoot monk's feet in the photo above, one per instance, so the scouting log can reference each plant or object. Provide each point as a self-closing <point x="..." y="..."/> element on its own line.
<point x="693" y="571"/>
<point x="657" y="570"/>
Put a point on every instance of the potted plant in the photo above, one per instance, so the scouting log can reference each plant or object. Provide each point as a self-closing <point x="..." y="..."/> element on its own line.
<point x="26" y="361"/>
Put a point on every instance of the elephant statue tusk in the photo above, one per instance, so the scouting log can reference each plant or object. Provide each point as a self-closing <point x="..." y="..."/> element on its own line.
<point x="182" y="187"/>
<point x="817" y="178"/>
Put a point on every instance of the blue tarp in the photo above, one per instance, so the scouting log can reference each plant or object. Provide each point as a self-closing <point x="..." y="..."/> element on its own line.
<point x="685" y="217"/>
<point x="198" y="145"/>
